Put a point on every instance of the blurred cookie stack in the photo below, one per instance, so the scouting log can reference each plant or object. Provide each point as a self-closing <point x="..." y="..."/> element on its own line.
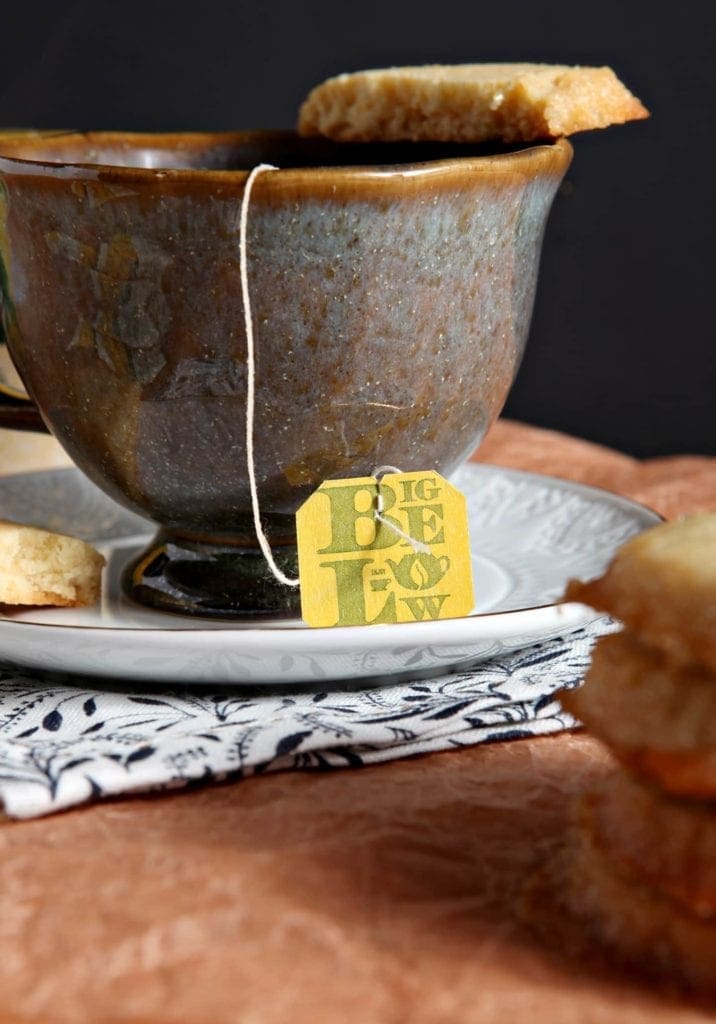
<point x="645" y="865"/>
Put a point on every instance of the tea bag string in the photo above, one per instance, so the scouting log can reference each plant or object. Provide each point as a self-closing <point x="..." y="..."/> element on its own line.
<point x="378" y="473"/>
<point x="281" y="576"/>
<point x="416" y="545"/>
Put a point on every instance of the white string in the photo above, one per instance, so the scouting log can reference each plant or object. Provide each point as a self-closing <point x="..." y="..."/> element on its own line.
<point x="416" y="545"/>
<point x="251" y="378"/>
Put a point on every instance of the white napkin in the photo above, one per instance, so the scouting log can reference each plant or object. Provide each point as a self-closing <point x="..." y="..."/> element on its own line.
<point x="65" y="741"/>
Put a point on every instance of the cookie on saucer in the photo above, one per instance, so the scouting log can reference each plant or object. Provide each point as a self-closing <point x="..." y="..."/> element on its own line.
<point x="38" y="567"/>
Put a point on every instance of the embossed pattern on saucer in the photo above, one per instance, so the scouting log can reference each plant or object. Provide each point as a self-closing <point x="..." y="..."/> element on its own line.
<point x="529" y="535"/>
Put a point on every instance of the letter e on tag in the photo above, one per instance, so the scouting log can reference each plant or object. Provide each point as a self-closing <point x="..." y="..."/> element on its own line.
<point x="357" y="570"/>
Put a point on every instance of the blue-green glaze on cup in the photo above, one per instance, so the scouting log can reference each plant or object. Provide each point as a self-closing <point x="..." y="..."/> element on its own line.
<point x="391" y="286"/>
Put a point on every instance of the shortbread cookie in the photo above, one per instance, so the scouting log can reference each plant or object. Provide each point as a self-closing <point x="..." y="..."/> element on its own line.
<point x="640" y="924"/>
<point x="42" y="568"/>
<point x="467" y="103"/>
<point x="662" y="585"/>
<point x="669" y="844"/>
<point x="658" y="719"/>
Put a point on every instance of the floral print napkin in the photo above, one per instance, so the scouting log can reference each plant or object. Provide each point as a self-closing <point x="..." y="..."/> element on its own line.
<point x="66" y="741"/>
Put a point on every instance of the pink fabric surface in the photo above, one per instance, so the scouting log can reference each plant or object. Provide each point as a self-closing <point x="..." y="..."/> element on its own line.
<point x="395" y="893"/>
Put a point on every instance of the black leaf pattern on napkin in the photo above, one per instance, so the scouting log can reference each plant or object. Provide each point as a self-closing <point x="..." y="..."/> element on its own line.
<point x="52" y="721"/>
<point x="140" y="754"/>
<point x="290" y="743"/>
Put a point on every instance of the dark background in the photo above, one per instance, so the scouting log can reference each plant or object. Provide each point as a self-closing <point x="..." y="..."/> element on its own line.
<point x="622" y="346"/>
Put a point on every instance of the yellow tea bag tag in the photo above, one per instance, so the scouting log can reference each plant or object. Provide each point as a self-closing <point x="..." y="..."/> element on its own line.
<point x="394" y="549"/>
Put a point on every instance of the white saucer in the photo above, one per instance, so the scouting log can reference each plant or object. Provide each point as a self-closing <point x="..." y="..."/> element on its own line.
<point x="529" y="535"/>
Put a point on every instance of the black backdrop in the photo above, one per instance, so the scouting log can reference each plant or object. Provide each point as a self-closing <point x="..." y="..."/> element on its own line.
<point x="622" y="348"/>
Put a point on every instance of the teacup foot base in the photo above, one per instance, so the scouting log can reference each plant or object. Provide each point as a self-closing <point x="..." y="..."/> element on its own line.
<point x="214" y="580"/>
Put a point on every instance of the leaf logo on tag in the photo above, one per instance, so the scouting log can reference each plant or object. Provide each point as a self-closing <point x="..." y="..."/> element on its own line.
<point x="357" y="569"/>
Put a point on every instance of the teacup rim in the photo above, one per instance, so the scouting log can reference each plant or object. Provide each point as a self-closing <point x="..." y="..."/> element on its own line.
<point x="554" y="154"/>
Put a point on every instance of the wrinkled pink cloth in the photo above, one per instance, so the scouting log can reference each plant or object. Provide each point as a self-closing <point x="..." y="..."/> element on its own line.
<point x="383" y="895"/>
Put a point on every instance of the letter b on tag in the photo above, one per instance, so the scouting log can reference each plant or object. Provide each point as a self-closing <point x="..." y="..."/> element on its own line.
<point x="355" y="570"/>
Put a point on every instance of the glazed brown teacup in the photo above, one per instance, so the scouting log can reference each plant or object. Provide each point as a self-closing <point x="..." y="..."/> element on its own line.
<point x="391" y="290"/>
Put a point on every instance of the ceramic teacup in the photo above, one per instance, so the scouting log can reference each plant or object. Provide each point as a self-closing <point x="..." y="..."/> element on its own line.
<point x="391" y="289"/>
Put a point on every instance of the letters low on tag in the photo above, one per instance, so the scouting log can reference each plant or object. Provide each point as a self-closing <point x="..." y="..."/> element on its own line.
<point x="357" y="570"/>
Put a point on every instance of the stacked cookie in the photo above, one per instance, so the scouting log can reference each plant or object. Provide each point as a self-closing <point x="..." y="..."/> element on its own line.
<point x="645" y="866"/>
